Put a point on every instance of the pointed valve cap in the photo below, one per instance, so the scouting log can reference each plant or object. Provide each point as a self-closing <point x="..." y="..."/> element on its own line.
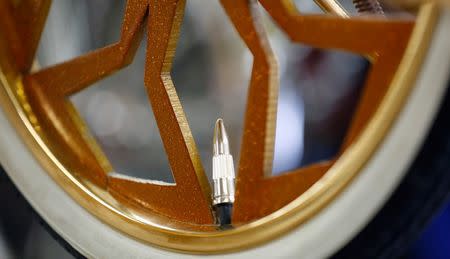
<point x="221" y="144"/>
<point x="223" y="166"/>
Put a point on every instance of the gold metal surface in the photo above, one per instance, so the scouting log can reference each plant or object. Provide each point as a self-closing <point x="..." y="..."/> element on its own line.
<point x="258" y="195"/>
<point x="38" y="108"/>
<point x="22" y="23"/>
<point x="48" y="88"/>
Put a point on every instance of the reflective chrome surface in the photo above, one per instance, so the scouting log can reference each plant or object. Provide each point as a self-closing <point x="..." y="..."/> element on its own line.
<point x="222" y="166"/>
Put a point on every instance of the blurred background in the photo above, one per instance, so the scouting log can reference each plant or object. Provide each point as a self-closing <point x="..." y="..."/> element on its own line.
<point x="318" y="93"/>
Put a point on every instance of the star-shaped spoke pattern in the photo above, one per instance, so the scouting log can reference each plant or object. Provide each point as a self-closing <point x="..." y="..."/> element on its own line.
<point x="383" y="41"/>
<point x="188" y="200"/>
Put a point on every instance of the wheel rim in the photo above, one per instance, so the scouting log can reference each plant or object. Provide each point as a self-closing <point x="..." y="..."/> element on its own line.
<point x="191" y="238"/>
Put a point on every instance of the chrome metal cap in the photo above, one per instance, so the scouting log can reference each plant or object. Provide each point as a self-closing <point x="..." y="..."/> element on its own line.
<point x="221" y="144"/>
<point x="223" y="166"/>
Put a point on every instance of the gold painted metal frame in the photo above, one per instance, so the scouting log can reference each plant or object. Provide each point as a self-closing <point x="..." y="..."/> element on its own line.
<point x="275" y="221"/>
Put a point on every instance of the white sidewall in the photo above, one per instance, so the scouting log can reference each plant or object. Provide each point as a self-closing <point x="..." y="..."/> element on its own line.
<point x="320" y="237"/>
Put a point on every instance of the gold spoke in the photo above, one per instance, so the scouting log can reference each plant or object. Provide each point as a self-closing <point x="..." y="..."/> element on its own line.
<point x="382" y="41"/>
<point x="261" y="109"/>
<point x="47" y="92"/>
<point x="76" y="74"/>
<point x="189" y="200"/>
<point x="177" y="216"/>
<point x="258" y="195"/>
<point x="30" y="17"/>
<point x="22" y="23"/>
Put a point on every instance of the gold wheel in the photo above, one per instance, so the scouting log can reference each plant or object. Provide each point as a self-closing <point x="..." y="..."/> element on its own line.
<point x="178" y="216"/>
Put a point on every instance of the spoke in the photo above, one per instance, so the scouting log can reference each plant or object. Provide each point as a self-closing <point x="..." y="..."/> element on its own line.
<point x="260" y="117"/>
<point x="381" y="40"/>
<point x="189" y="200"/>
<point x="10" y="42"/>
<point x="47" y="91"/>
<point x="30" y="17"/>
<point x="377" y="83"/>
<point x="22" y="24"/>
<point x="258" y="195"/>
<point x="76" y="74"/>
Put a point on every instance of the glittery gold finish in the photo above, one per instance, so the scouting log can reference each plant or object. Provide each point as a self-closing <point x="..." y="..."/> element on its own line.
<point x="257" y="194"/>
<point x="22" y="23"/>
<point x="178" y="216"/>
<point x="47" y="90"/>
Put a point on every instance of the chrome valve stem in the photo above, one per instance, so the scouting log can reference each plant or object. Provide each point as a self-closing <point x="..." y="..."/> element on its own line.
<point x="223" y="166"/>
